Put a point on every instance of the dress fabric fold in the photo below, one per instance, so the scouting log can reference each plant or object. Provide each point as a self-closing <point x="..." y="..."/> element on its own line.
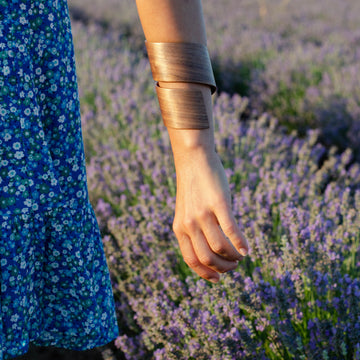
<point x="55" y="282"/>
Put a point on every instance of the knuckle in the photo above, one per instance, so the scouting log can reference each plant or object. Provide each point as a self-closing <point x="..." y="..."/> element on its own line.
<point x="219" y="248"/>
<point x="176" y="227"/>
<point x="207" y="260"/>
<point x="191" y="262"/>
<point x="202" y="215"/>
<point x="220" y="203"/>
<point x="189" y="223"/>
<point x="229" y="229"/>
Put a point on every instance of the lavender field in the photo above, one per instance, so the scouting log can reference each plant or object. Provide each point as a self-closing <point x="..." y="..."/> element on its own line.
<point x="287" y="128"/>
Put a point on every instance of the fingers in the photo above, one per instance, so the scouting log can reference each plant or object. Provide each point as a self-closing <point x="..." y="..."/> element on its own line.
<point x="208" y="258"/>
<point x="205" y="247"/>
<point x="216" y="239"/>
<point x="198" y="256"/>
<point x="230" y="228"/>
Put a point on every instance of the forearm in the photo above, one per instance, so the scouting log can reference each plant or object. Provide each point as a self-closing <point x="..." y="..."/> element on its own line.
<point x="172" y="20"/>
<point x="179" y="21"/>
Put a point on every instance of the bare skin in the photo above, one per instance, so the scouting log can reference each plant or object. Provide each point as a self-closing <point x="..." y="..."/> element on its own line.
<point x="203" y="199"/>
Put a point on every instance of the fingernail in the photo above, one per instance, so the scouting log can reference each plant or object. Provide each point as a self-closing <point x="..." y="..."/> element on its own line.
<point x="214" y="280"/>
<point x="243" y="251"/>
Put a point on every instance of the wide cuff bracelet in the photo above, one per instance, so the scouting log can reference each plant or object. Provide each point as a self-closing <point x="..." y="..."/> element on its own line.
<point x="181" y="62"/>
<point x="182" y="108"/>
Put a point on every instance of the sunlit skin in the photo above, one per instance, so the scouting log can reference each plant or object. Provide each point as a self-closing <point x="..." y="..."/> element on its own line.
<point x="203" y="199"/>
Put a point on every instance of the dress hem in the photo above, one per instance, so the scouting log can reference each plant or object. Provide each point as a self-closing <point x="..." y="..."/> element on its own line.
<point x="99" y="343"/>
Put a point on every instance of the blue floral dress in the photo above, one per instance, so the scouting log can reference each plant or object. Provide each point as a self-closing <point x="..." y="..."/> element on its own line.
<point x="55" y="283"/>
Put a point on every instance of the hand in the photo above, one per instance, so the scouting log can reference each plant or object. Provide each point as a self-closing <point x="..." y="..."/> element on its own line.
<point x="203" y="205"/>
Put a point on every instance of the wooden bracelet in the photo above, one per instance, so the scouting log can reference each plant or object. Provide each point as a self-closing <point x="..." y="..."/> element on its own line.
<point x="181" y="62"/>
<point x="182" y="108"/>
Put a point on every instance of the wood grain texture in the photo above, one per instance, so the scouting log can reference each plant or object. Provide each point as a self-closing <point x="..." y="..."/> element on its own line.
<point x="182" y="108"/>
<point x="181" y="62"/>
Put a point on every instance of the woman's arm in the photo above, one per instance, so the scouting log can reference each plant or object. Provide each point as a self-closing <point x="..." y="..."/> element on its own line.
<point x="172" y="20"/>
<point x="203" y="200"/>
<point x="179" y="21"/>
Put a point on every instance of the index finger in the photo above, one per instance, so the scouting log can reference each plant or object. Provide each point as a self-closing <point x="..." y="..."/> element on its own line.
<point x="230" y="228"/>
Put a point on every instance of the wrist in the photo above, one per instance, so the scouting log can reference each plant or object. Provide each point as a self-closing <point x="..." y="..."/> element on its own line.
<point x="185" y="158"/>
<point x="190" y="140"/>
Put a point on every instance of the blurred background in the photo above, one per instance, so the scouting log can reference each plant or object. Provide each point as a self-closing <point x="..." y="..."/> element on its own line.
<point x="298" y="60"/>
<point x="294" y="60"/>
